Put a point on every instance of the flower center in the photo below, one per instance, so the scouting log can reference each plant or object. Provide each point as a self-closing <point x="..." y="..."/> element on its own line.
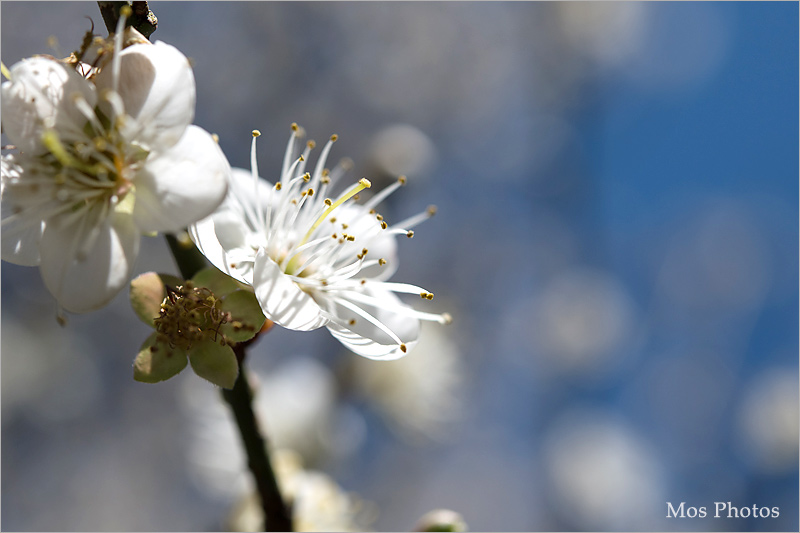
<point x="189" y="315"/>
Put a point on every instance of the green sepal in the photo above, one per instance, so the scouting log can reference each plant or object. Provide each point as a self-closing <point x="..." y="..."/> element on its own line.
<point x="214" y="362"/>
<point x="246" y="316"/>
<point x="147" y="292"/>
<point x="157" y="361"/>
<point x="216" y="281"/>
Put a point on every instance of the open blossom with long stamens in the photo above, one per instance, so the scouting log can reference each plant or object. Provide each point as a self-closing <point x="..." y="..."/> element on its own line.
<point x="316" y="260"/>
<point x="101" y="159"/>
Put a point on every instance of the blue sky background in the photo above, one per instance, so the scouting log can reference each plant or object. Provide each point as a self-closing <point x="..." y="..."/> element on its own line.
<point x="617" y="238"/>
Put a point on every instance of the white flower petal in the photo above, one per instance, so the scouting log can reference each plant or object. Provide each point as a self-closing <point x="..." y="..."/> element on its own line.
<point x="282" y="300"/>
<point x="182" y="185"/>
<point x="157" y="86"/>
<point x="367" y="339"/>
<point x="20" y="244"/>
<point x="205" y="232"/>
<point x="85" y="285"/>
<point x="41" y="94"/>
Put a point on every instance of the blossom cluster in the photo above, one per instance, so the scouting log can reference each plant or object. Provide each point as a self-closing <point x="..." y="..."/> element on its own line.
<point x="103" y="151"/>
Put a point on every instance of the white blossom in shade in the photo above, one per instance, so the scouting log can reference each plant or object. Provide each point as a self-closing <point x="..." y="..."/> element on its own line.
<point x="769" y="421"/>
<point x="101" y="159"/>
<point x="295" y="404"/>
<point x="316" y="261"/>
<point x="318" y="503"/>
<point x="601" y="474"/>
<point x="420" y="395"/>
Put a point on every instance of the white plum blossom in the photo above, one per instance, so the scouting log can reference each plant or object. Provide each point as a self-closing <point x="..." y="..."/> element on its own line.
<point x="104" y="154"/>
<point x="316" y="261"/>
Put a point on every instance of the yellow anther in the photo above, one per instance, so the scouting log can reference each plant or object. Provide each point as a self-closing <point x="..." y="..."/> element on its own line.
<point x="381" y="261"/>
<point x="363" y="282"/>
<point x="447" y="318"/>
<point x="403" y="348"/>
<point x="384" y="225"/>
<point x="301" y="158"/>
<point x="256" y="133"/>
<point x="325" y="180"/>
<point x="335" y="236"/>
<point x="328" y="202"/>
<point x="324" y="283"/>
<point x="126" y="11"/>
<point x="429" y="296"/>
<point x="215" y="138"/>
<point x="351" y="238"/>
<point x="372" y="211"/>
<point x="333" y="219"/>
<point x="402" y="180"/>
<point x="410" y="234"/>
<point x="326" y="172"/>
<point x="431" y="210"/>
<point x="364" y="251"/>
<point x="278" y="186"/>
<point x="344" y="226"/>
<point x="352" y="321"/>
<point x="334" y="137"/>
<point x="306" y="177"/>
<point x="295" y="127"/>
<point x="311" y="144"/>
<point x="379" y="217"/>
<point x="310" y="191"/>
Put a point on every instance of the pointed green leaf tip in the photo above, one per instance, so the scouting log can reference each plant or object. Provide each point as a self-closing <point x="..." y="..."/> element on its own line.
<point x="246" y="316"/>
<point x="147" y="292"/>
<point x="214" y="362"/>
<point x="157" y="361"/>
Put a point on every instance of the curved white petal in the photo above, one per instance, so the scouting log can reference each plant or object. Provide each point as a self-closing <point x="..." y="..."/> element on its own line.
<point x="20" y="242"/>
<point x="157" y="87"/>
<point x="181" y="185"/>
<point x="90" y="283"/>
<point x="20" y="233"/>
<point x="39" y="95"/>
<point x="282" y="300"/>
<point x="367" y="339"/>
<point x="206" y="235"/>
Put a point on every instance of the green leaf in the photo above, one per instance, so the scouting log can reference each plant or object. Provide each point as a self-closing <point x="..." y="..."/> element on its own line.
<point x="147" y="292"/>
<point x="216" y="281"/>
<point x="214" y="362"/>
<point x="157" y="361"/>
<point x="246" y="316"/>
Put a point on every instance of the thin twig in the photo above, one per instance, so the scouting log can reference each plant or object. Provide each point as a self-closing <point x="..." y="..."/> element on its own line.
<point x="277" y="516"/>
<point x="142" y="18"/>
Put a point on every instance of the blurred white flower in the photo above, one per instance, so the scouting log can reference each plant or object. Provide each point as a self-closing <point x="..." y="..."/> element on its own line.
<point x="294" y="404"/>
<point x="318" y="503"/>
<point x="769" y="421"/>
<point x="314" y="261"/>
<point x="582" y="322"/>
<point x="421" y="393"/>
<point x="101" y="159"/>
<point x="402" y="149"/>
<point x="603" y="476"/>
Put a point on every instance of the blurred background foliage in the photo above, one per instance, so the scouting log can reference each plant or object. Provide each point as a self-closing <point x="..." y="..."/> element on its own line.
<point x="617" y="240"/>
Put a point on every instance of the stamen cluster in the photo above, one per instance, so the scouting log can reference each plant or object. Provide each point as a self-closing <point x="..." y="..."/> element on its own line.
<point x="190" y="314"/>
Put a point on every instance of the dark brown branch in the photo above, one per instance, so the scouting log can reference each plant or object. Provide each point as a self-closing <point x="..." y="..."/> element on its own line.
<point x="277" y="515"/>
<point x="142" y="18"/>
